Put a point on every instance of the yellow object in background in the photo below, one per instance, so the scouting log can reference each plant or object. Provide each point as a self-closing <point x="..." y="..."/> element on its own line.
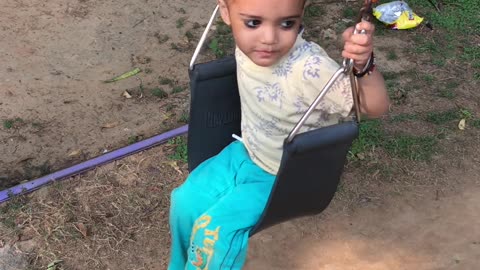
<point x="397" y="15"/>
<point x="407" y="21"/>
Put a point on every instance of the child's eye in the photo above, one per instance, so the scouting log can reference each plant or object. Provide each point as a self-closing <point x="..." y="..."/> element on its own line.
<point x="252" y="23"/>
<point x="287" y="24"/>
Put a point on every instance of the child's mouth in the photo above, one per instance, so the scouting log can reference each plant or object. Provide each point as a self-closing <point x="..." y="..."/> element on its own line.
<point x="265" y="54"/>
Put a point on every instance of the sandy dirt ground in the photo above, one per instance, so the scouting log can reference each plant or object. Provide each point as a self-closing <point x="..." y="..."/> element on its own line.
<point x="55" y="56"/>
<point x="420" y="232"/>
<point x="117" y="218"/>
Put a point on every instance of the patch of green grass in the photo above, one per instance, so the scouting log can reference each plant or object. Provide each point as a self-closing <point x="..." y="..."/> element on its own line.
<point x="178" y="89"/>
<point x="10" y="210"/>
<point x="439" y="62"/>
<point x="370" y="136"/>
<point x="389" y="76"/>
<point x="165" y="81"/>
<point x="170" y="107"/>
<point x="396" y="92"/>
<point x="134" y="138"/>
<point x="476" y="76"/>
<point x="159" y="92"/>
<point x="455" y="15"/>
<point x="427" y="46"/>
<point x="476" y="123"/>
<point x="141" y="89"/>
<point x="196" y="25"/>
<point x="184" y="118"/>
<point x="380" y="28"/>
<point x="312" y="12"/>
<point x="392" y="55"/>
<point x="384" y="173"/>
<point x="181" y="47"/>
<point x="465" y="113"/>
<point x="471" y="53"/>
<point x="448" y="90"/>
<point x="36" y="125"/>
<point x="446" y="93"/>
<point x="411" y="147"/>
<point x="216" y="48"/>
<point x="223" y="43"/>
<point x="180" y="152"/>
<point x="429" y="78"/>
<point x="180" y="22"/>
<point x="171" y="83"/>
<point x="454" y="27"/>
<point x="176" y="47"/>
<point x="8" y="124"/>
<point x="189" y="35"/>
<point x="444" y="117"/>
<point x="349" y="13"/>
<point x="404" y="117"/>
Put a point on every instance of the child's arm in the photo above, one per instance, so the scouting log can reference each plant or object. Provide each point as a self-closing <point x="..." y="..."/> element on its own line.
<point x="374" y="101"/>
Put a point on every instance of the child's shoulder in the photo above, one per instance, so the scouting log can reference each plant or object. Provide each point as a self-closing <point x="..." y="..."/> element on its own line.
<point x="306" y="53"/>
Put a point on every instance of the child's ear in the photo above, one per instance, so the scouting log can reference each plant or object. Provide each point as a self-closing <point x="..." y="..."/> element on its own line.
<point x="224" y="12"/>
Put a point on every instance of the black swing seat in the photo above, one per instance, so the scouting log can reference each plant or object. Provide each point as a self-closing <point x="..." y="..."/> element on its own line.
<point x="312" y="162"/>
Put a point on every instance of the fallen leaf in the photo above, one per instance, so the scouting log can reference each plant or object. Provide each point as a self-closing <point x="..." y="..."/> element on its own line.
<point x="53" y="265"/>
<point x="174" y="165"/>
<point x="82" y="229"/>
<point x="126" y="94"/>
<point x="461" y="124"/>
<point x="74" y="153"/>
<point x="110" y="125"/>
<point x="124" y="75"/>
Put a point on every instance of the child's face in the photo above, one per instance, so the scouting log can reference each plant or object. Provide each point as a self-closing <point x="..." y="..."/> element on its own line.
<point x="265" y="30"/>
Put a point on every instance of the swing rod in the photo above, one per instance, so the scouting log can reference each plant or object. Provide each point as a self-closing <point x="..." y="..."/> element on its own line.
<point x="203" y="38"/>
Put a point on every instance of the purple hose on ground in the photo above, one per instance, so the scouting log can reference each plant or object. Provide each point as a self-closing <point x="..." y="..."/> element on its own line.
<point x="30" y="186"/>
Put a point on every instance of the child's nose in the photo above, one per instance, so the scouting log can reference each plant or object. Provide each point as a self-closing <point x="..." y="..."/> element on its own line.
<point x="269" y="36"/>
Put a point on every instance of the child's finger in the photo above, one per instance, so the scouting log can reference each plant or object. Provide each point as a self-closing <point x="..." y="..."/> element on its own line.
<point x="363" y="40"/>
<point x="359" y="59"/>
<point x="347" y="34"/>
<point x="364" y="25"/>
<point x="357" y="49"/>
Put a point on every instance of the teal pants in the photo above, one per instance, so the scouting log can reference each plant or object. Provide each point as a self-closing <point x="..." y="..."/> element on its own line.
<point x="212" y="213"/>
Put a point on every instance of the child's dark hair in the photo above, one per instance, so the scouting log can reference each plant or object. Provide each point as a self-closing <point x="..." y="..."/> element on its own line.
<point x="231" y="1"/>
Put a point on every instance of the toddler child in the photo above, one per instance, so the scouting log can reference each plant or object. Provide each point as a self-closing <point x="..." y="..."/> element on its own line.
<point x="279" y="75"/>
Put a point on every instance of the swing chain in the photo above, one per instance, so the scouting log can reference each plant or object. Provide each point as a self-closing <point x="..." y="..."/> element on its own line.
<point x="365" y="14"/>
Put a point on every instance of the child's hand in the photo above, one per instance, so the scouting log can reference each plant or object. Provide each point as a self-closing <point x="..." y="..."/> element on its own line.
<point x="358" y="47"/>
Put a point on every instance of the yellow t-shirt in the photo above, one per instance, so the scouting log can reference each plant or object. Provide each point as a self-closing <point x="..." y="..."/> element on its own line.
<point x="273" y="99"/>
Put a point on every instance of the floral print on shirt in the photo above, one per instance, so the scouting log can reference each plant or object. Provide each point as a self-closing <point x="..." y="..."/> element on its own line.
<point x="270" y="93"/>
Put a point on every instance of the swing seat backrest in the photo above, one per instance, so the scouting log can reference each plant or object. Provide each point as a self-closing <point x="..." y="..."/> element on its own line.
<point x="312" y="162"/>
